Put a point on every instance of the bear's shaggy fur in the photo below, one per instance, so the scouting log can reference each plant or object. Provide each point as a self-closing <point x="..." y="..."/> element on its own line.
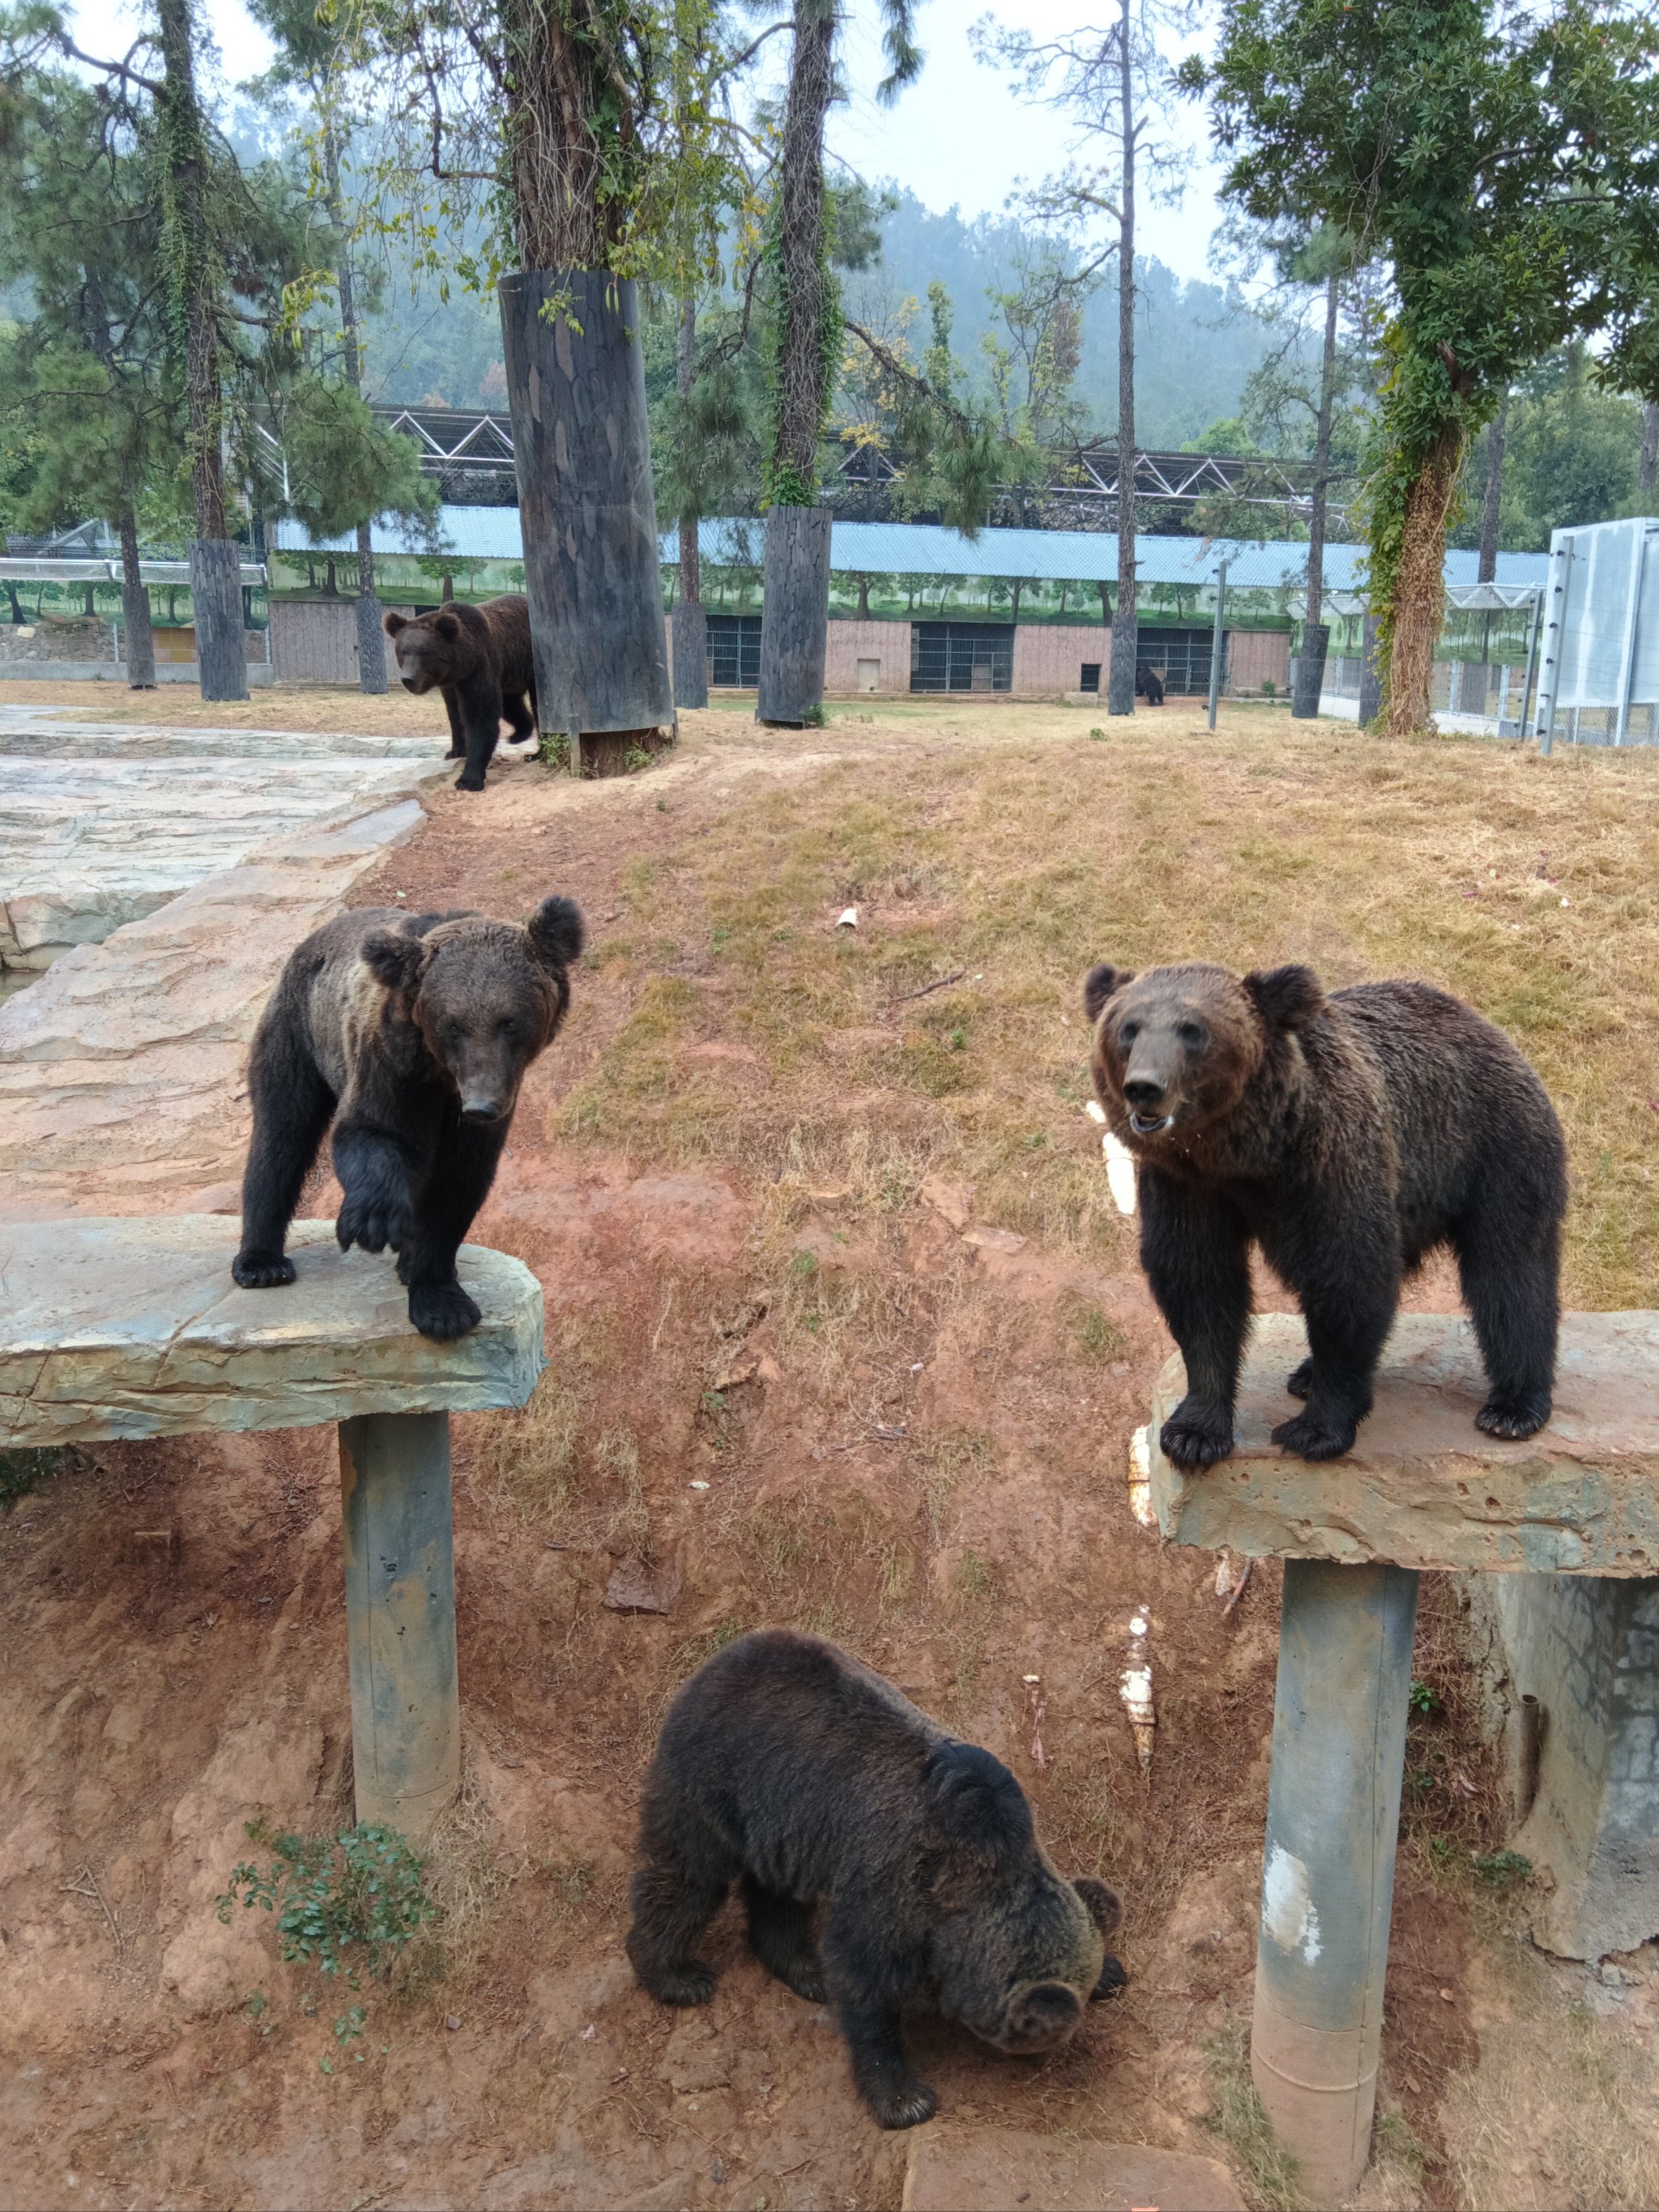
<point x="1150" y="686"/>
<point x="786" y="1765"/>
<point x="411" y="1033"/>
<point x="1348" y="1136"/>
<point x="480" y="658"/>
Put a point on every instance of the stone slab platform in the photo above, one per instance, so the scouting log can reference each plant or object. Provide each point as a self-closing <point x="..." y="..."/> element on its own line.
<point x="133" y="1327"/>
<point x="1423" y="1486"/>
<point x="954" y="2166"/>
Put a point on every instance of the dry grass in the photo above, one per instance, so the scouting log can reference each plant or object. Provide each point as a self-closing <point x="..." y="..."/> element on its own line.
<point x="1021" y="854"/>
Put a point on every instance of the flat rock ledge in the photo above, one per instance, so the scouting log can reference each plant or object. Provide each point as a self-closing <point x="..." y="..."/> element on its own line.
<point x="133" y="1327"/>
<point x="955" y="2166"/>
<point x="1423" y="1486"/>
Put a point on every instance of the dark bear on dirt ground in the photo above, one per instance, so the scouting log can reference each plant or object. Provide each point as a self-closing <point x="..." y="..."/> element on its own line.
<point x="1150" y="685"/>
<point x="786" y="1765"/>
<point x="479" y="658"/>
<point x="411" y="1033"/>
<point x="1348" y="1136"/>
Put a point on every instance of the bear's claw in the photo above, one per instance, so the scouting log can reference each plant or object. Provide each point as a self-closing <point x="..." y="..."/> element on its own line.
<point x="1310" y="1438"/>
<point x="373" y="1222"/>
<point x="1196" y="1438"/>
<point x="262" y="1270"/>
<point x="905" y="2107"/>
<point x="443" y="1311"/>
<point x="692" y="1984"/>
<point x="1512" y="1417"/>
<point x="1299" y="1381"/>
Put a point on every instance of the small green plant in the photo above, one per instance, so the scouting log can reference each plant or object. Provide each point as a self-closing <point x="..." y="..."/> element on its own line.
<point x="816" y="718"/>
<point x="348" y="1903"/>
<point x="553" y="749"/>
<point x="1425" y="1698"/>
<point x="1500" y="1867"/>
<point x="636" y="758"/>
<point x="958" y="1040"/>
<point x="23" y="1471"/>
<point x="804" y="1264"/>
<point x="662" y="806"/>
<point x="972" y="1579"/>
<point x="1098" y="732"/>
<point x="1096" y="1337"/>
<point x="1269" y="689"/>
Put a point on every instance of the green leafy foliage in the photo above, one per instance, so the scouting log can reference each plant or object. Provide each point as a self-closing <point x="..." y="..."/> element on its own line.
<point x="346" y="1904"/>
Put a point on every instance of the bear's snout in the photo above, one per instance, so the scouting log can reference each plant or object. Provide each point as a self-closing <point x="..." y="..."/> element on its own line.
<point x="1043" y="2017"/>
<point x="481" y="1107"/>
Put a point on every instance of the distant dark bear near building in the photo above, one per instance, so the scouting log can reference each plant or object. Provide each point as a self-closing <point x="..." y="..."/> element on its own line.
<point x="1348" y="1135"/>
<point x="786" y="1765"/>
<point x="411" y="1033"/>
<point x="1149" y="684"/>
<point x="480" y="658"/>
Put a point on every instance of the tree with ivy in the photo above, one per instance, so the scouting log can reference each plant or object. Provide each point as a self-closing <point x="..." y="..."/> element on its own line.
<point x="1502" y="165"/>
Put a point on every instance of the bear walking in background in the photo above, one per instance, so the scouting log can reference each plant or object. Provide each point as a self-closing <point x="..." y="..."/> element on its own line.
<point x="1347" y="1136"/>
<point x="1149" y="684"/>
<point x="786" y="1765"/>
<point x="480" y="658"/>
<point x="411" y="1033"/>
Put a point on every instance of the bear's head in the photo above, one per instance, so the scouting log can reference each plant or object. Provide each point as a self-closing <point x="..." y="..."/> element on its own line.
<point x="486" y="996"/>
<point x="425" y="647"/>
<point x="1015" y="1950"/>
<point x="1175" y="1048"/>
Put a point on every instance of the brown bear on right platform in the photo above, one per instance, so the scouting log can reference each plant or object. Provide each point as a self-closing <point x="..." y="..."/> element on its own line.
<point x="1347" y="1135"/>
<point x="480" y="658"/>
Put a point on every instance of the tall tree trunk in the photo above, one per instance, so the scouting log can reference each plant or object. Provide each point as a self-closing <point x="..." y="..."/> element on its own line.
<point x="688" y="623"/>
<point x="1492" y="498"/>
<point x="1420" y="591"/>
<point x="795" y="607"/>
<point x="1316" y="635"/>
<point x="216" y="594"/>
<point x="557" y="86"/>
<point x="1121" y="688"/>
<point x="1648" y="475"/>
<point x="371" y="638"/>
<point x="134" y="608"/>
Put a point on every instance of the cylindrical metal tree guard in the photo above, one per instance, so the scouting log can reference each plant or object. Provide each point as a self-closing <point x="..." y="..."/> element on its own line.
<point x="215" y="598"/>
<point x="1370" y="674"/>
<point x="794" y="614"/>
<point x="690" y="625"/>
<point x="575" y="384"/>
<point x="1340" y="1710"/>
<point x="371" y="643"/>
<point x="400" y="1617"/>
<point x="1310" y="671"/>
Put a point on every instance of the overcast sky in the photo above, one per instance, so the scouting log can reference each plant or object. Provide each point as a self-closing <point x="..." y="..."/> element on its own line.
<point x="957" y="137"/>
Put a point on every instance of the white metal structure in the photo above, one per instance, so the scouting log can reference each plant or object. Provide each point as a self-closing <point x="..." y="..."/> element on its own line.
<point x="1599" y="673"/>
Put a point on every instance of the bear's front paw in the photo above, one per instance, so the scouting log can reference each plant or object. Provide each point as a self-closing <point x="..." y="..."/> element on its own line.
<point x="804" y="1976"/>
<point x="443" y="1311"/>
<point x="1299" y="1381"/>
<point x="1316" y="1436"/>
<point x="1513" y="1417"/>
<point x="901" y="2105"/>
<point x="1196" y="1435"/>
<point x="456" y="752"/>
<point x="262" y="1270"/>
<point x="693" y="1983"/>
<point x="469" y="783"/>
<point x="372" y="1221"/>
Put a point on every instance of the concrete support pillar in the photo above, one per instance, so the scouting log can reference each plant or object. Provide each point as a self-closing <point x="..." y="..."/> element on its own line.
<point x="1340" y="1710"/>
<point x="400" y="1617"/>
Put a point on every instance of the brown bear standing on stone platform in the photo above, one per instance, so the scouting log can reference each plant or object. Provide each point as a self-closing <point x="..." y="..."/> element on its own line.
<point x="1347" y="1136"/>
<point x="786" y="1765"/>
<point x="479" y="658"/>
<point x="411" y="1033"/>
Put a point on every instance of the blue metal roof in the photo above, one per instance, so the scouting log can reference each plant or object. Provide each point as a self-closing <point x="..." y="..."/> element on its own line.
<point x="492" y="534"/>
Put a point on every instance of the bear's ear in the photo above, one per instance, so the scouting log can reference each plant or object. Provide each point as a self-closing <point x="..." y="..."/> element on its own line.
<point x="1102" y="1904"/>
<point x="555" y="932"/>
<point x="1287" y="998"/>
<point x="446" y="626"/>
<point x="391" y="622"/>
<point x="979" y="1809"/>
<point x="396" y="960"/>
<point x="1100" y="983"/>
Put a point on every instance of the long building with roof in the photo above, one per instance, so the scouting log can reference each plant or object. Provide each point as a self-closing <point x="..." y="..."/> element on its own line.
<point x="918" y="607"/>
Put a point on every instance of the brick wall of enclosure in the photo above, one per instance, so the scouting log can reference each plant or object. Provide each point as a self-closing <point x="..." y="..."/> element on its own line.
<point x="1049" y="658"/>
<point x="1258" y="657"/>
<point x="315" y="642"/>
<point x="868" y="658"/>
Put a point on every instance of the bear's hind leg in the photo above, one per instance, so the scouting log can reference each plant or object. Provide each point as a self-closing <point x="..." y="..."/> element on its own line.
<point x="671" y="1909"/>
<point x="519" y="719"/>
<point x="1510" y="1275"/>
<point x="292" y="1107"/>
<point x="780" y="1936"/>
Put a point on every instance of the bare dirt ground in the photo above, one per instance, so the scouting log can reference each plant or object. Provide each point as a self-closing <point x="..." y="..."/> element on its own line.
<point x="844" y="1332"/>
